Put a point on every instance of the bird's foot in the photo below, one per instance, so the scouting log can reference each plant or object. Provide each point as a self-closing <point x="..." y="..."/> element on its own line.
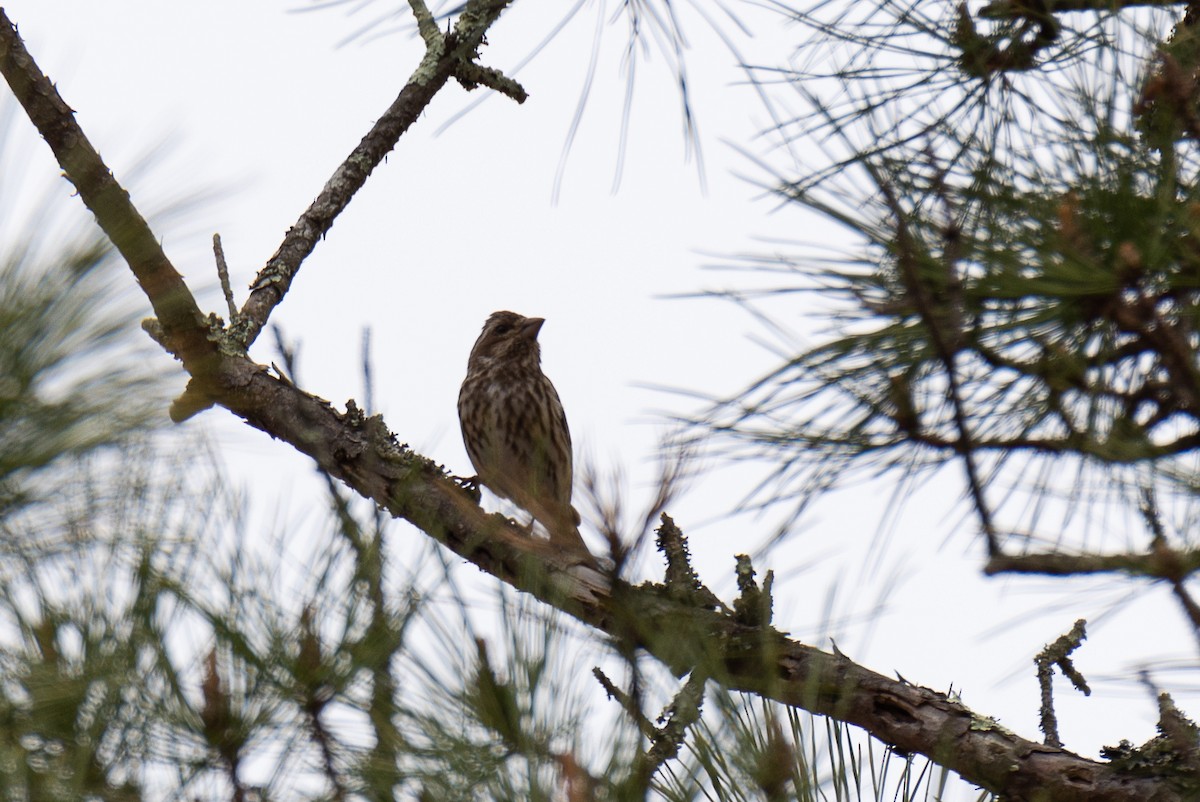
<point x="470" y="484"/>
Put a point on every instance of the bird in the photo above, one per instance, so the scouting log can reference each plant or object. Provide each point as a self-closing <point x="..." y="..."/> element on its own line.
<point x="514" y="427"/>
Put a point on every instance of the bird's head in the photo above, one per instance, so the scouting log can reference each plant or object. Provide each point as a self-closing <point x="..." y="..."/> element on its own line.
<point x="507" y="338"/>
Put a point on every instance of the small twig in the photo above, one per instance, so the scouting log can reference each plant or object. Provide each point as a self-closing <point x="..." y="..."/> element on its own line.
<point x="1149" y="509"/>
<point x="288" y="352"/>
<point x="665" y="741"/>
<point x="1167" y="564"/>
<point x="1058" y="653"/>
<point x="608" y="513"/>
<point x="1169" y="341"/>
<point x="669" y="480"/>
<point x="471" y="75"/>
<point x="627" y="703"/>
<point x="223" y="276"/>
<point x="1179" y="733"/>
<point x="754" y="605"/>
<point x="681" y="579"/>
<point x="1179" y="730"/>
<point x="1190" y="607"/>
<point x="683" y="712"/>
<point x="368" y="374"/>
<point x="1005" y="9"/>
<point x="1160" y="548"/>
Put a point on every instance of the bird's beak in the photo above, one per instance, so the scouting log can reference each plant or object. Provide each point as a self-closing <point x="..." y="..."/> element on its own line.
<point x="531" y="327"/>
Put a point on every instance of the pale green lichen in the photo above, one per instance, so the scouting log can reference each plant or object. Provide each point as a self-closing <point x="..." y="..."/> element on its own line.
<point x="988" y="724"/>
<point x="426" y="70"/>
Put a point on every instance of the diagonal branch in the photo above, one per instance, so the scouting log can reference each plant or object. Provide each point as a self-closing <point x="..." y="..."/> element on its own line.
<point x="446" y="55"/>
<point x="685" y="634"/>
<point x="183" y="324"/>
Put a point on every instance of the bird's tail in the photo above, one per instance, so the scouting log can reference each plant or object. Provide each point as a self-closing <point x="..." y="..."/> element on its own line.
<point x="562" y="524"/>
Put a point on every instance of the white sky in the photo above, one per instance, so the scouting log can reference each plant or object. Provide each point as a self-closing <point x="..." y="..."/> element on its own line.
<point x="265" y="103"/>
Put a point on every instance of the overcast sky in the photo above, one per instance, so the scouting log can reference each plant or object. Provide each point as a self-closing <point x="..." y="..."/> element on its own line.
<point x="263" y="102"/>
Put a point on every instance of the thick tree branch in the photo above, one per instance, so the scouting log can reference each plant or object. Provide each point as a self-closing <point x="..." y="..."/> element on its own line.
<point x="685" y="635"/>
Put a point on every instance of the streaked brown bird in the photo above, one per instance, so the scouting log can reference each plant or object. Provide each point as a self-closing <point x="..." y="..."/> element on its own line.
<point x="514" y="427"/>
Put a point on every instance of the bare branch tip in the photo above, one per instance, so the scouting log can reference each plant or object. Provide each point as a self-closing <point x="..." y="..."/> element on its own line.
<point x="754" y="605"/>
<point x="223" y="276"/>
<point x="471" y="76"/>
<point x="426" y="24"/>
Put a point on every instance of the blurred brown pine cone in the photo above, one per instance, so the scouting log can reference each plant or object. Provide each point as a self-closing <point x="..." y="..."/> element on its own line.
<point x="514" y="427"/>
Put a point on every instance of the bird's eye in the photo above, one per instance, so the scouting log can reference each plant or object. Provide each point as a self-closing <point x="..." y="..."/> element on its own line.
<point x="503" y="328"/>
